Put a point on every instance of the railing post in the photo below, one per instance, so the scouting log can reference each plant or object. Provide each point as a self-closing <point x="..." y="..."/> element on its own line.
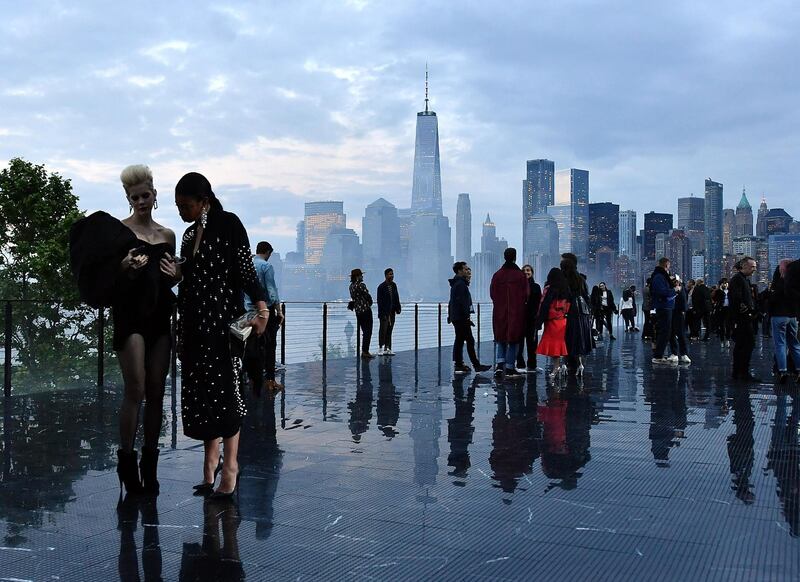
<point x="7" y="364"/>
<point x="283" y="335"/>
<point x="174" y="354"/>
<point x="324" y="332"/>
<point x="101" y="340"/>
<point x="416" y="327"/>
<point x="479" y="325"/>
<point x="440" y="326"/>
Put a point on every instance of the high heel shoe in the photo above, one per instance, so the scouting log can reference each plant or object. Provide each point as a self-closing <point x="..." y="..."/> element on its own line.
<point x="148" y="467"/>
<point x="128" y="472"/>
<point x="224" y="495"/>
<point x="204" y="488"/>
<point x="579" y="372"/>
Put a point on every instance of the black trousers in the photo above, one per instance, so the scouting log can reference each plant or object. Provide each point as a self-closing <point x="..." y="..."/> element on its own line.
<point x="663" y="325"/>
<point x="630" y="318"/>
<point x="677" y="343"/>
<point x="364" y="321"/>
<point x="385" y="330"/>
<point x="531" y="341"/>
<point x="271" y="343"/>
<point x="603" y="318"/>
<point x="744" y="342"/>
<point x="696" y="320"/>
<point x="254" y="359"/>
<point x="725" y="323"/>
<point x="463" y="331"/>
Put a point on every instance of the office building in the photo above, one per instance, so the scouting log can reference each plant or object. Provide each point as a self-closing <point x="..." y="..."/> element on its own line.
<point x="320" y="219"/>
<point x="572" y="192"/>
<point x="744" y="217"/>
<point x="713" y="229"/>
<point x="678" y="249"/>
<point x="426" y="194"/>
<point x="541" y="240"/>
<point x="761" y="221"/>
<point x="728" y="230"/>
<point x="380" y="234"/>
<point x="490" y="243"/>
<point x="654" y="223"/>
<point x="463" y="228"/>
<point x="783" y="246"/>
<point x="603" y="228"/>
<point x="538" y="192"/>
<point x="777" y="221"/>
<point x="691" y="213"/>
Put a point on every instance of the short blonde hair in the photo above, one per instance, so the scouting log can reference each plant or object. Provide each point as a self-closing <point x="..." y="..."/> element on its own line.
<point x="136" y="174"/>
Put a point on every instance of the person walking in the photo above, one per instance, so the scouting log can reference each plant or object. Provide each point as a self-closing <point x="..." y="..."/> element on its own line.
<point x="459" y="311"/>
<point x="677" y="341"/>
<point x="509" y="291"/>
<point x="663" y="297"/>
<point x="604" y="308"/>
<point x="218" y="269"/>
<point x="361" y="303"/>
<point x="531" y="338"/>
<point x="742" y="309"/>
<point x="553" y="316"/>
<point x="261" y="350"/>
<point x="579" y="318"/>
<point x="784" y="309"/>
<point x="627" y="307"/>
<point x="388" y="309"/>
<point x="701" y="310"/>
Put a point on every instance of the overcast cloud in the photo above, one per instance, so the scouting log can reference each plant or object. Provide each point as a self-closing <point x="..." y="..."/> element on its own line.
<point x="284" y="102"/>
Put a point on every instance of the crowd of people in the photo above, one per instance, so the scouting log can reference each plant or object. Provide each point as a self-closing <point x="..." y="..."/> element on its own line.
<point x="229" y="314"/>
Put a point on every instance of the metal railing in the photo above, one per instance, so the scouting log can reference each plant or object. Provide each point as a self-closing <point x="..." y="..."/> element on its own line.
<point x="312" y="331"/>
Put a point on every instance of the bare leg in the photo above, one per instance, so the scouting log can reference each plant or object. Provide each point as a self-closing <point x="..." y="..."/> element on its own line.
<point x="230" y="464"/>
<point x="211" y="459"/>
<point x="157" y="366"/>
<point x="132" y="363"/>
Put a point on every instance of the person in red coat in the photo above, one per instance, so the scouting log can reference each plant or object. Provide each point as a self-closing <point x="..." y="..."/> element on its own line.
<point x="509" y="292"/>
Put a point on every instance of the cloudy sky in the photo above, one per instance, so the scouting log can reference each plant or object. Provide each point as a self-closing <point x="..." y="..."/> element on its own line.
<point x="279" y="103"/>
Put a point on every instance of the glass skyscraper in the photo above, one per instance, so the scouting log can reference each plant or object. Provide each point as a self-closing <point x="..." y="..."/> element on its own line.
<point x="426" y="193"/>
<point x="713" y="228"/>
<point x="627" y="234"/>
<point x="320" y="219"/>
<point x="463" y="228"/>
<point x="655" y="223"/>
<point x="603" y="228"/>
<point x="572" y="197"/>
<point x="691" y="213"/>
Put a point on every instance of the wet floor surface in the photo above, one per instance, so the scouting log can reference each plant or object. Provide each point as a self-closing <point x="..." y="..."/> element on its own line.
<point x="393" y="470"/>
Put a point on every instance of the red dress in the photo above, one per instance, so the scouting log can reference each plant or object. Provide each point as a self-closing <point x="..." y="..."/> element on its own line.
<point x="555" y="328"/>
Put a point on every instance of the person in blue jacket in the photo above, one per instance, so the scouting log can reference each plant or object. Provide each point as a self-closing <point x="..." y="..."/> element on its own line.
<point x="662" y="294"/>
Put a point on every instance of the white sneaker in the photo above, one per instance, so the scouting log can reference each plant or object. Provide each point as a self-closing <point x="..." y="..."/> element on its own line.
<point x="388" y="352"/>
<point x="660" y="360"/>
<point x="673" y="359"/>
<point x="685" y="359"/>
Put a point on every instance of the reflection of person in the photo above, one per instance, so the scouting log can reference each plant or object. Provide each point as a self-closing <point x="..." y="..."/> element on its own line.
<point x="515" y="433"/>
<point x="217" y="558"/>
<point x="460" y="428"/>
<point x="218" y="269"/>
<point x="362" y="305"/>
<point x="785" y="462"/>
<point x="388" y="404"/>
<point x="361" y="407"/>
<point x="740" y="445"/>
<point x="667" y="420"/>
<point x="142" y="330"/>
<point x="388" y="308"/>
<point x="127" y="518"/>
<point x="566" y="420"/>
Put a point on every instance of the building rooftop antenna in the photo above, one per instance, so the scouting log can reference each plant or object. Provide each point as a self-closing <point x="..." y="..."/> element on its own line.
<point x="426" y="87"/>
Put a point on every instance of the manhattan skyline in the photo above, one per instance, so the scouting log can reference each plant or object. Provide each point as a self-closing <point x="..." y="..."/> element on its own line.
<point x="312" y="103"/>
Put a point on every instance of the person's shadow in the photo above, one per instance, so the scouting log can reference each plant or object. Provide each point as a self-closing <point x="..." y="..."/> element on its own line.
<point x="217" y="557"/>
<point x="128" y="512"/>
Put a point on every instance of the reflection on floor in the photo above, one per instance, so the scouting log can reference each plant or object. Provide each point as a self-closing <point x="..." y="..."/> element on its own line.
<point x="394" y="470"/>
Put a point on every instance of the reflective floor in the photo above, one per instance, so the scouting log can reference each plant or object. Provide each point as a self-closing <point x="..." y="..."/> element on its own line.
<point x="393" y="470"/>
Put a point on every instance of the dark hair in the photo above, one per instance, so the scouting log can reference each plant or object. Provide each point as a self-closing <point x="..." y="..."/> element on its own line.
<point x="663" y="261"/>
<point x="197" y="186"/>
<point x="742" y="262"/>
<point x="533" y="273"/>
<point x="557" y="283"/>
<point x="569" y="266"/>
<point x="263" y="248"/>
<point x="387" y="271"/>
<point x="510" y="254"/>
<point x="458" y="265"/>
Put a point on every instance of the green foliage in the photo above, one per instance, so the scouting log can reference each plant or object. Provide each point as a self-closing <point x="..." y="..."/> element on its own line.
<point x="53" y="335"/>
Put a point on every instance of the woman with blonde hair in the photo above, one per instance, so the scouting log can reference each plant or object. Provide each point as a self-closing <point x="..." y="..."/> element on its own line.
<point x="141" y="312"/>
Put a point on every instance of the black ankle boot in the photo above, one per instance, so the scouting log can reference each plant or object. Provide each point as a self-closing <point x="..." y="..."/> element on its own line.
<point x="148" y="467"/>
<point x="128" y="472"/>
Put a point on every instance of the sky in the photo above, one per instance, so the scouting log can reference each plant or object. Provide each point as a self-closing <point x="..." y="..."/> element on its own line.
<point x="280" y="103"/>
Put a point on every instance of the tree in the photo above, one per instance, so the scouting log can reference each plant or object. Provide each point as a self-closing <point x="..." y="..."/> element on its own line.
<point x="52" y="332"/>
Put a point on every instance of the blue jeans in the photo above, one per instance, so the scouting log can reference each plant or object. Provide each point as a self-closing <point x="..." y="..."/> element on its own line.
<point x="506" y="354"/>
<point x="784" y="334"/>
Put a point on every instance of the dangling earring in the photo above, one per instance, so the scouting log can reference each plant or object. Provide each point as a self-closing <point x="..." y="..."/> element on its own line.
<point x="130" y="208"/>
<point x="155" y="204"/>
<point x="204" y="218"/>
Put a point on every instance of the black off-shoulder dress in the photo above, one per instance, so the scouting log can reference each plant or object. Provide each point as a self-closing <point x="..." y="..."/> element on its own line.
<point x="209" y="298"/>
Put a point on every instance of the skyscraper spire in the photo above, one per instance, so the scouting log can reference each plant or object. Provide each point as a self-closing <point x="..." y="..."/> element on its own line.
<point x="426" y="87"/>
